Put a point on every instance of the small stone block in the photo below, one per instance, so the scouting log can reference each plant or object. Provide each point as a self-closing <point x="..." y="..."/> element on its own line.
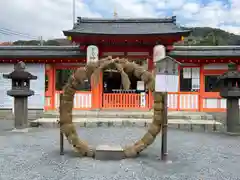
<point x="106" y="152"/>
<point x="24" y="130"/>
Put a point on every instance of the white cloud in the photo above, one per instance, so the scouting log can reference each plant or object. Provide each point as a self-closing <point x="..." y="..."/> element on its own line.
<point x="232" y="29"/>
<point x="45" y="18"/>
<point x="191" y="7"/>
<point x="48" y="18"/>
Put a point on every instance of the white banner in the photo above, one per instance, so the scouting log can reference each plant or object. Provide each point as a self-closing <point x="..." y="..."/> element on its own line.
<point x="159" y="52"/>
<point x="143" y="99"/>
<point x="92" y="53"/>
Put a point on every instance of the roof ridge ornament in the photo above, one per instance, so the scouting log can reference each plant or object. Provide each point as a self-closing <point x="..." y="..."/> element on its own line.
<point x="80" y="19"/>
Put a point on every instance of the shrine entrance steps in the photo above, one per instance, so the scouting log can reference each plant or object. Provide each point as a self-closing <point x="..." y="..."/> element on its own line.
<point x="192" y="121"/>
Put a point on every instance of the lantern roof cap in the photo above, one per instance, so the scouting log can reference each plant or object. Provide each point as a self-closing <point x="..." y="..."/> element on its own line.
<point x="232" y="72"/>
<point x="19" y="73"/>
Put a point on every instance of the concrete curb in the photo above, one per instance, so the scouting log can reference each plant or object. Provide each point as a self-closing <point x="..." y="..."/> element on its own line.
<point x="190" y="125"/>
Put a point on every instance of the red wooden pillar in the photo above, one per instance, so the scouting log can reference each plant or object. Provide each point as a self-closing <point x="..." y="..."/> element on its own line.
<point x="50" y="93"/>
<point x="151" y="68"/>
<point x="53" y="86"/>
<point x="96" y="89"/>
<point x="179" y="90"/>
<point x="202" y="89"/>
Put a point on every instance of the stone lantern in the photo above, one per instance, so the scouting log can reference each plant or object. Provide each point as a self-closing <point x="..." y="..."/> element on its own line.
<point x="20" y="91"/>
<point x="229" y="85"/>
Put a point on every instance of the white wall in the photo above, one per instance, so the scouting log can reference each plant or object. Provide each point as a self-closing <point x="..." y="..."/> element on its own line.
<point x="6" y="102"/>
<point x="38" y="86"/>
<point x="34" y="102"/>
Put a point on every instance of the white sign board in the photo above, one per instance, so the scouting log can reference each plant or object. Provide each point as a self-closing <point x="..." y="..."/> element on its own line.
<point x="159" y="52"/>
<point x="166" y="83"/>
<point x="92" y="53"/>
<point x="140" y="86"/>
<point x="143" y="99"/>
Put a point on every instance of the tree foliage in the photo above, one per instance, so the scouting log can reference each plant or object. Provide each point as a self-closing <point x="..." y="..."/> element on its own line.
<point x="51" y="42"/>
<point x="206" y="36"/>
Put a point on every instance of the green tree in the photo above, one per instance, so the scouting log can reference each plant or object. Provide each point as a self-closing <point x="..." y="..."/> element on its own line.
<point x="51" y="43"/>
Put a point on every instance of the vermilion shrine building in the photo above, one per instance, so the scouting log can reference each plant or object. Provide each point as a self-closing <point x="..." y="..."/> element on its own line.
<point x="130" y="38"/>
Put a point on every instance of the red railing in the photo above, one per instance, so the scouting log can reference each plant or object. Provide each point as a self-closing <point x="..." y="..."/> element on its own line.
<point x="125" y="101"/>
<point x="180" y="101"/>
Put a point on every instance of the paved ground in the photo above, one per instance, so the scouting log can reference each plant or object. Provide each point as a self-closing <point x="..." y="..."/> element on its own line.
<point x="35" y="156"/>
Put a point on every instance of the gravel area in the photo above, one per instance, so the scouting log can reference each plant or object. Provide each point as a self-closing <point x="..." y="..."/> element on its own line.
<point x="35" y="156"/>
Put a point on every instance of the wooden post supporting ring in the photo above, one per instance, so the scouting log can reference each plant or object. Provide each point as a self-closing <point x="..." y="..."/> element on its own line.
<point x="61" y="134"/>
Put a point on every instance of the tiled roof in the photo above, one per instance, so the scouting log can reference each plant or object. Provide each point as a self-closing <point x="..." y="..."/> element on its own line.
<point x="205" y="51"/>
<point x="40" y="51"/>
<point x="138" y="26"/>
<point x="74" y="51"/>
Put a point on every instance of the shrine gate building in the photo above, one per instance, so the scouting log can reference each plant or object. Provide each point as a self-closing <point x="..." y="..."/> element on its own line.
<point x="130" y="38"/>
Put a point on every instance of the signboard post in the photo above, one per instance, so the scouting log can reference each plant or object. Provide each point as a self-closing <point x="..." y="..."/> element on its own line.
<point x="166" y="81"/>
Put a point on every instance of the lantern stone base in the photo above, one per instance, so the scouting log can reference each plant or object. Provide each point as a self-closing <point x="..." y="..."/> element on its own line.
<point x="21" y="112"/>
<point x="233" y="132"/>
<point x="106" y="152"/>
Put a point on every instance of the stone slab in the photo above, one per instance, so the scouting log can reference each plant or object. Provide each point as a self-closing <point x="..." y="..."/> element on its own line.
<point x="132" y="114"/>
<point x="190" y="125"/>
<point x="23" y="130"/>
<point x="232" y="134"/>
<point x="109" y="152"/>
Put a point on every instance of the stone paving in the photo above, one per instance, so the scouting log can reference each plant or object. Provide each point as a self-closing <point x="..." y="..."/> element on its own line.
<point x="35" y="156"/>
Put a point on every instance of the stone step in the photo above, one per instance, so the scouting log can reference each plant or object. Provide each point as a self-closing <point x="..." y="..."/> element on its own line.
<point x="190" y="125"/>
<point x="133" y="114"/>
<point x="106" y="152"/>
<point x="35" y="114"/>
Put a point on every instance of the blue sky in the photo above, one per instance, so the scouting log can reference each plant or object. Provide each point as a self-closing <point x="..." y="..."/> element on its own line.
<point x="47" y="18"/>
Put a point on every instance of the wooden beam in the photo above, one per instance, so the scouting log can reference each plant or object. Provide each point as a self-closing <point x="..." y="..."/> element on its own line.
<point x="151" y="39"/>
<point x="125" y="48"/>
<point x="204" y="60"/>
<point x="30" y="60"/>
